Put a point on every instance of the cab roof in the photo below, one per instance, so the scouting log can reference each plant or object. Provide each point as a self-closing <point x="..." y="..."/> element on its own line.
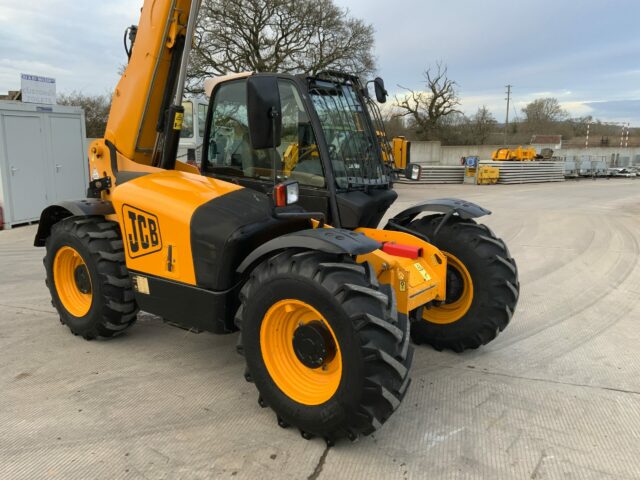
<point x="211" y="83"/>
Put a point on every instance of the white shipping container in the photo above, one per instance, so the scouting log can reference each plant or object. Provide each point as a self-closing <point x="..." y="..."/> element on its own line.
<point x="42" y="158"/>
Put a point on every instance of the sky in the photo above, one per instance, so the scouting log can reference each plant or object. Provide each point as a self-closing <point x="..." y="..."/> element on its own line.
<point x="586" y="54"/>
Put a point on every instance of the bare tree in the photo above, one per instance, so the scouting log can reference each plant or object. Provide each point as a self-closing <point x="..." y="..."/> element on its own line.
<point x="543" y="114"/>
<point x="289" y="36"/>
<point x="482" y="124"/>
<point x="96" y="110"/>
<point x="427" y="109"/>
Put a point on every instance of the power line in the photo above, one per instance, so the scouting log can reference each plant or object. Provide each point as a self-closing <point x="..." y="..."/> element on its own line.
<point x="516" y="119"/>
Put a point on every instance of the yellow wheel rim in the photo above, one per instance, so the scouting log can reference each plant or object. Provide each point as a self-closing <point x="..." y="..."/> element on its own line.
<point x="452" y="312"/>
<point x="72" y="281"/>
<point x="305" y="385"/>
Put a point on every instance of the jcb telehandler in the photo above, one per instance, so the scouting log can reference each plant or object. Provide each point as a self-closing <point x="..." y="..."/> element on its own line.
<point x="323" y="312"/>
<point x="336" y="130"/>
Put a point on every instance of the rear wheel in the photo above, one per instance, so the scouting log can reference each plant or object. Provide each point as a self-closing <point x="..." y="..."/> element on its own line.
<point x="482" y="286"/>
<point x="324" y="344"/>
<point x="87" y="277"/>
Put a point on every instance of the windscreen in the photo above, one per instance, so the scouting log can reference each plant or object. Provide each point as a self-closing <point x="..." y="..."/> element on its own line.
<point x="353" y="145"/>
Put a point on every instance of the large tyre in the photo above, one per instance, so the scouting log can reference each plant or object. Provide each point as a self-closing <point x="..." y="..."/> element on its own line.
<point x="482" y="286"/>
<point x="87" y="277"/>
<point x="324" y="344"/>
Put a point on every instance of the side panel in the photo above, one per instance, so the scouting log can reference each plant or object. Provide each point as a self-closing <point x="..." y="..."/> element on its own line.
<point x="155" y="213"/>
<point x="207" y="310"/>
<point x="226" y="230"/>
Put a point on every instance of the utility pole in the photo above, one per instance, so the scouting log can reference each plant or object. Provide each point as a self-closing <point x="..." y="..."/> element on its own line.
<point x="506" y="122"/>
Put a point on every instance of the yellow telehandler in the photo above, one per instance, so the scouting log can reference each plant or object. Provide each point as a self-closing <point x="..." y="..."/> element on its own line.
<point x="324" y="313"/>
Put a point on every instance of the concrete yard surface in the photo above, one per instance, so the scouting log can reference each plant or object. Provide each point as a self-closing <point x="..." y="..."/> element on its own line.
<point x="557" y="395"/>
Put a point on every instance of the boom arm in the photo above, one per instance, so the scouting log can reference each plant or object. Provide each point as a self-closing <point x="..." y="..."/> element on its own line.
<point x="153" y="82"/>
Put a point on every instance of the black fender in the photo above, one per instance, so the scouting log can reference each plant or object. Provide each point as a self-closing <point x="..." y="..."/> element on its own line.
<point x="448" y="206"/>
<point x="61" y="210"/>
<point x="329" y="240"/>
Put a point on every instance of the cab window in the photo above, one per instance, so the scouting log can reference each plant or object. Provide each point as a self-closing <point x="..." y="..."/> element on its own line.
<point x="229" y="150"/>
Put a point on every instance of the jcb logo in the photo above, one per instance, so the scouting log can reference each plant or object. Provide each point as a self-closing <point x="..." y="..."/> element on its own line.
<point x="142" y="232"/>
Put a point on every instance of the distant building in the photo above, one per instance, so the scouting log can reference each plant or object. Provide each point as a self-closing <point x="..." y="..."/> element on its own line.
<point x="539" y="142"/>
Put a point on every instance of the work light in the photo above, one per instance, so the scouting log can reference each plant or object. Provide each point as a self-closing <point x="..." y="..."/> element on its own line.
<point x="286" y="193"/>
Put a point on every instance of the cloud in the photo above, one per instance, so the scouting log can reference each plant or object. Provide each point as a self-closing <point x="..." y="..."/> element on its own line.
<point x="620" y="110"/>
<point x="532" y="44"/>
<point x="78" y="43"/>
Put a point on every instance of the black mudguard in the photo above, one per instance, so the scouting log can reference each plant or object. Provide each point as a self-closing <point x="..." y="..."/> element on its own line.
<point x="448" y="206"/>
<point x="329" y="240"/>
<point x="59" y="211"/>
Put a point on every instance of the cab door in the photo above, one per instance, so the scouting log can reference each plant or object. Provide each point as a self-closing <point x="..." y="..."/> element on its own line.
<point x="228" y="154"/>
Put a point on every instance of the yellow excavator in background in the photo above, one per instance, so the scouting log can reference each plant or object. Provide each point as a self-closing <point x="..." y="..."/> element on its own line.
<point x="519" y="154"/>
<point x="323" y="312"/>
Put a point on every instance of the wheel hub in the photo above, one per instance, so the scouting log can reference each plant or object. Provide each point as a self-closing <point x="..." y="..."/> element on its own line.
<point x="313" y="344"/>
<point x="81" y="277"/>
<point x="455" y="285"/>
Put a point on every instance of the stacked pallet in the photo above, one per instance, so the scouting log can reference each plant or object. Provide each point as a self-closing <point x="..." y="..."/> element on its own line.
<point x="431" y="174"/>
<point x="528" y="172"/>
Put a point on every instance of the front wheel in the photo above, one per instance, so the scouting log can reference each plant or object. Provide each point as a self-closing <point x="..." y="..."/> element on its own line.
<point x="324" y="344"/>
<point x="482" y="286"/>
<point x="87" y="277"/>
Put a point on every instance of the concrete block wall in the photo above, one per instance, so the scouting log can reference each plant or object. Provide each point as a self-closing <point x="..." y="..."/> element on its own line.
<point x="433" y="153"/>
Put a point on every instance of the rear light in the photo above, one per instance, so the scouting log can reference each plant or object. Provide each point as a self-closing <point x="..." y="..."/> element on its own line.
<point x="399" y="250"/>
<point x="286" y="193"/>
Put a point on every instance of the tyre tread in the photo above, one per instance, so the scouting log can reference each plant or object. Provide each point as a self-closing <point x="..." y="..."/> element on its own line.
<point x="500" y="272"/>
<point x="102" y="240"/>
<point x="386" y="362"/>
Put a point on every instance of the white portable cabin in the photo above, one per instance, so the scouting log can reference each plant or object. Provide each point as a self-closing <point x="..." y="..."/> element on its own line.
<point x="192" y="134"/>
<point x="43" y="158"/>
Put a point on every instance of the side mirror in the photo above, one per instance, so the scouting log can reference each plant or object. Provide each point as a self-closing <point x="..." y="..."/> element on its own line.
<point x="381" y="92"/>
<point x="264" y="112"/>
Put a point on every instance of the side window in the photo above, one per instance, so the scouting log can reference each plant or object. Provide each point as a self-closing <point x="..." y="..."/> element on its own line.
<point x="202" y="119"/>
<point x="187" y="124"/>
<point x="229" y="149"/>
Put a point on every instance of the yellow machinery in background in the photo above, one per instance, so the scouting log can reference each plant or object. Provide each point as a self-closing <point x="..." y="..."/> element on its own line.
<point x="520" y="154"/>
<point x="401" y="148"/>
<point x="293" y="153"/>
<point x="487" y="175"/>
<point x="477" y="174"/>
